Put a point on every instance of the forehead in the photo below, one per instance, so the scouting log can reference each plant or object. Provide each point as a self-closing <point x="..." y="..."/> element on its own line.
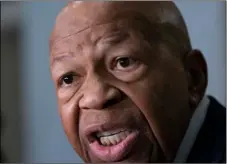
<point x="110" y="29"/>
<point x="77" y="17"/>
<point x="88" y="36"/>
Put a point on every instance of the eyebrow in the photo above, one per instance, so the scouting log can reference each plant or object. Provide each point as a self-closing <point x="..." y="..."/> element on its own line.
<point x="60" y="57"/>
<point x="114" y="37"/>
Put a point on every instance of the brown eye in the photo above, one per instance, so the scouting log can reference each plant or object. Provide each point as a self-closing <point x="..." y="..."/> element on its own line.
<point x="67" y="79"/>
<point x="124" y="63"/>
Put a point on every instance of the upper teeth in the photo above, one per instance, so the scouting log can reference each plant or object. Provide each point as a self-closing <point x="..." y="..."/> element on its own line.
<point x="114" y="139"/>
<point x="108" y="133"/>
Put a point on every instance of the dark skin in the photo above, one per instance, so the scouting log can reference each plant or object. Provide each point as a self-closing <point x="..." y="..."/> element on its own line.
<point x="129" y="65"/>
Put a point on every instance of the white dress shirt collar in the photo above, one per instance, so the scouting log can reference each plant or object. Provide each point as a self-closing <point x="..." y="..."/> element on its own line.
<point x="195" y="124"/>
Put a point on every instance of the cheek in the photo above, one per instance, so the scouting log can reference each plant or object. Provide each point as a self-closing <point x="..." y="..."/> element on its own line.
<point x="164" y="89"/>
<point x="65" y="94"/>
<point x="69" y="114"/>
<point x="159" y="96"/>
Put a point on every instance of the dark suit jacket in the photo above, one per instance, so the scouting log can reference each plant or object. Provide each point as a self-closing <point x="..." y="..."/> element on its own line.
<point x="210" y="145"/>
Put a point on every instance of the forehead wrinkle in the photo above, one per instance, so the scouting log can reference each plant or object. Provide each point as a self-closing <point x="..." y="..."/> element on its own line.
<point x="67" y="36"/>
<point x="79" y="31"/>
<point x="109" y="34"/>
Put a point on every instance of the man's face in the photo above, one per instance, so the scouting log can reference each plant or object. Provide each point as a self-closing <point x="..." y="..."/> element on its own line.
<point x="120" y="97"/>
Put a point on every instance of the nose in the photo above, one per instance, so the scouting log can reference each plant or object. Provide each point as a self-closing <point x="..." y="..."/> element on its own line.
<point x="98" y="95"/>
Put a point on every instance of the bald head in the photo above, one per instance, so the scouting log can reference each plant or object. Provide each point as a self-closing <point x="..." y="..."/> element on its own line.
<point x="160" y="20"/>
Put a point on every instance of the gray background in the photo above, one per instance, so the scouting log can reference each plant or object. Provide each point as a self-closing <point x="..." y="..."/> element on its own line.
<point x="42" y="135"/>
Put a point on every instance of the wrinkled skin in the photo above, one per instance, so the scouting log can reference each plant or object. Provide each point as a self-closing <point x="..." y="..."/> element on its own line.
<point x="128" y="64"/>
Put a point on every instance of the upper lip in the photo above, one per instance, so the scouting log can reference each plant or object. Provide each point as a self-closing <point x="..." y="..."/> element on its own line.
<point x="91" y="130"/>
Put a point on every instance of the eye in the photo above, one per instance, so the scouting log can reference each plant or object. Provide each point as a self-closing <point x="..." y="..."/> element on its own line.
<point x="125" y="63"/>
<point x="67" y="79"/>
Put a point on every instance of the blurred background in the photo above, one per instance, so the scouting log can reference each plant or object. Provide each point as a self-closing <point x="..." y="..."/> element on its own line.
<point x="31" y="130"/>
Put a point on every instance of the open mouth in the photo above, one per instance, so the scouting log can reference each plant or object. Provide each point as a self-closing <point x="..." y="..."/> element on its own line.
<point x="112" y="145"/>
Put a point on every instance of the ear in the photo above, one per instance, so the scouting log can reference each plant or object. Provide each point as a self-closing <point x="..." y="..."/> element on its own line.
<point x="196" y="69"/>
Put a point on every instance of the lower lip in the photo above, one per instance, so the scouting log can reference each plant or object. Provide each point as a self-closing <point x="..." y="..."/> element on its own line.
<point x="114" y="153"/>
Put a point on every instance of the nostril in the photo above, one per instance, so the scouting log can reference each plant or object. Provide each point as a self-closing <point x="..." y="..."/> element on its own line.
<point x="113" y="101"/>
<point x="110" y="103"/>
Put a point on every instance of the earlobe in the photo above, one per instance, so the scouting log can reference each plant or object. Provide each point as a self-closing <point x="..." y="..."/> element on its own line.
<point x="196" y="68"/>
